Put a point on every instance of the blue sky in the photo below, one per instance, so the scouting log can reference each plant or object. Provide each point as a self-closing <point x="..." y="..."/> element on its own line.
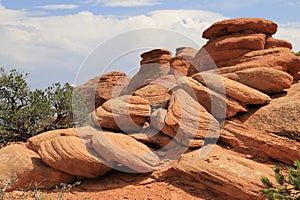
<point x="277" y="10"/>
<point x="51" y="39"/>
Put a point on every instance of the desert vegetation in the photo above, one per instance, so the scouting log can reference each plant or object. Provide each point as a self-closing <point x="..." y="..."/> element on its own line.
<point x="288" y="186"/>
<point x="25" y="112"/>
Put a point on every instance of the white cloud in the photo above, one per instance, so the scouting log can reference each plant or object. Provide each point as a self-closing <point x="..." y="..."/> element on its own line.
<point x="290" y="32"/>
<point x="58" y="7"/>
<point x="125" y="3"/>
<point x="294" y="4"/>
<point x="48" y="46"/>
<point x="51" y="48"/>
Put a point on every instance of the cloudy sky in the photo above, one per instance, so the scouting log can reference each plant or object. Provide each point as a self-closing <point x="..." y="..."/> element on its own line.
<point x="52" y="39"/>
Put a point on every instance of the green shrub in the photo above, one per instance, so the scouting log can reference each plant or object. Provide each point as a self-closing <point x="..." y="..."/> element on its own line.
<point x="25" y="113"/>
<point x="288" y="189"/>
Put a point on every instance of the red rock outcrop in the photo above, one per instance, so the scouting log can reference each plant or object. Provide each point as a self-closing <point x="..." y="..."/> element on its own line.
<point x="273" y="43"/>
<point x="123" y="149"/>
<point x="70" y="155"/>
<point x="233" y="89"/>
<point x="156" y="94"/>
<point x="22" y="168"/>
<point x="35" y="141"/>
<point x="127" y="113"/>
<point x="240" y="25"/>
<point x="260" y="145"/>
<point x="280" y="117"/>
<point x="154" y="64"/>
<point x="176" y="104"/>
<point x="181" y="66"/>
<point x="267" y="80"/>
<point x="185" y="119"/>
<point x="222" y="174"/>
<point x="217" y="104"/>
<point x="103" y="88"/>
<point x="245" y="43"/>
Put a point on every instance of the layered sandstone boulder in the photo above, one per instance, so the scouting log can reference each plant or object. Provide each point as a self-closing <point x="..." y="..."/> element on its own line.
<point x="233" y="89"/>
<point x="34" y="142"/>
<point x="222" y="174"/>
<point x="127" y="113"/>
<point x="273" y="43"/>
<point x="154" y="64"/>
<point x="102" y="88"/>
<point x="245" y="43"/>
<point x="156" y="93"/>
<point x="258" y="145"/>
<point x="185" y="119"/>
<point x="267" y="80"/>
<point x="22" y="168"/>
<point x="215" y="103"/>
<point x="281" y="116"/>
<point x="186" y="52"/>
<point x="70" y="154"/>
<point x="181" y="66"/>
<point x="123" y="149"/>
<point x="240" y="25"/>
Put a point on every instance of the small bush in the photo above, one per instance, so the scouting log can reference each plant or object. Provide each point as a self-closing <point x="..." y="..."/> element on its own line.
<point x="25" y="113"/>
<point x="288" y="189"/>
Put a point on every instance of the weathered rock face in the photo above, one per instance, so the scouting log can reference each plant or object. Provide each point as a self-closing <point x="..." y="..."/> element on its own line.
<point x="273" y="43"/>
<point x="237" y="41"/>
<point x="69" y="154"/>
<point x="181" y="66"/>
<point x="260" y="145"/>
<point x="161" y="56"/>
<point x="103" y="88"/>
<point x="153" y="137"/>
<point x="154" y="64"/>
<point x="277" y="58"/>
<point x="123" y="149"/>
<point x="281" y="116"/>
<point x="185" y="119"/>
<point x="218" y="51"/>
<point x="267" y="80"/>
<point x="245" y="43"/>
<point x="22" y="168"/>
<point x="217" y="104"/>
<point x="223" y="174"/>
<point x="240" y="25"/>
<point x="127" y="113"/>
<point x="186" y="52"/>
<point x="156" y="94"/>
<point x="35" y="141"/>
<point x="233" y="89"/>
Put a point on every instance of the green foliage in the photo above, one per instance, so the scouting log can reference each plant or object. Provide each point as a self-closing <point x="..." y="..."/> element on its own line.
<point x="279" y="176"/>
<point x="22" y="112"/>
<point x="60" y="98"/>
<point x="294" y="175"/>
<point x="288" y="190"/>
<point x="297" y="53"/>
<point x="266" y="181"/>
<point x="25" y="113"/>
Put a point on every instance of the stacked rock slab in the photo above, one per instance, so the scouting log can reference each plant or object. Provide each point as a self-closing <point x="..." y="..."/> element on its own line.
<point x="154" y="64"/>
<point x="102" y="88"/>
<point x="22" y="168"/>
<point x="244" y="43"/>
